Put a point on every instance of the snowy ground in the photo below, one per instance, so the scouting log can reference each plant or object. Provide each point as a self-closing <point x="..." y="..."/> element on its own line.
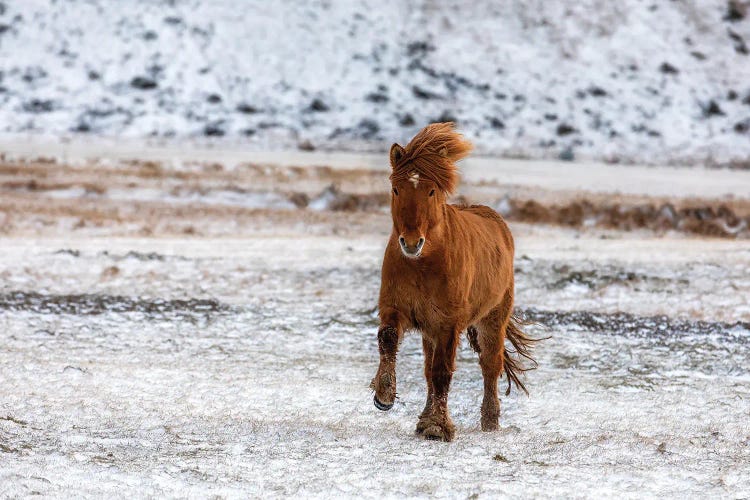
<point x="181" y="345"/>
<point x="261" y="388"/>
<point x="648" y="82"/>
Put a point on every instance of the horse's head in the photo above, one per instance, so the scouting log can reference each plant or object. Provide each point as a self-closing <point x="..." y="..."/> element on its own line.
<point x="416" y="207"/>
<point x="424" y="175"/>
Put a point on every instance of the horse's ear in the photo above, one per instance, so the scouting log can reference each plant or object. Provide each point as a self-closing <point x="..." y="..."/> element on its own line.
<point x="397" y="152"/>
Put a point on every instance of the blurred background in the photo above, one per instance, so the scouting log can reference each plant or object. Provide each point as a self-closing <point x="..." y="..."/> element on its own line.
<point x="194" y="204"/>
<point x="629" y="81"/>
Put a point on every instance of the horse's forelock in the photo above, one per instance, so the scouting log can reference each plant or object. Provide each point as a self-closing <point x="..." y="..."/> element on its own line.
<point x="433" y="154"/>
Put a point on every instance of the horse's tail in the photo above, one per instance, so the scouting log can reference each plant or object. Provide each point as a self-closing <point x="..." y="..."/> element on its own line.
<point x="523" y="344"/>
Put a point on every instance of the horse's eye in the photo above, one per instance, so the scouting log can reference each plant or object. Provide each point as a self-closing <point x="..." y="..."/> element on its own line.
<point x="432" y="192"/>
<point x="395" y="191"/>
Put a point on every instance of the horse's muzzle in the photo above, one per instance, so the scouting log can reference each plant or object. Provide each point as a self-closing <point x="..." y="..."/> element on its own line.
<point x="411" y="251"/>
<point x="381" y="406"/>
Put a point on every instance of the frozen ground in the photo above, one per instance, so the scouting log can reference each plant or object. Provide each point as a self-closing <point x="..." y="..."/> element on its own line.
<point x="648" y="82"/>
<point x="239" y="367"/>
<point x="181" y="330"/>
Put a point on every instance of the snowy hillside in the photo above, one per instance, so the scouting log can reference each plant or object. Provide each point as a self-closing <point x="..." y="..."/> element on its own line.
<point x="643" y="81"/>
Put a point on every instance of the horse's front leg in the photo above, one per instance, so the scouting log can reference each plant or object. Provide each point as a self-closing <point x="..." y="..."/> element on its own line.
<point x="439" y="424"/>
<point x="429" y="351"/>
<point x="389" y="334"/>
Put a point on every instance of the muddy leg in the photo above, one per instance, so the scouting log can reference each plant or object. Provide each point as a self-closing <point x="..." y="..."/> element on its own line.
<point x="439" y="424"/>
<point x="429" y="351"/>
<point x="384" y="382"/>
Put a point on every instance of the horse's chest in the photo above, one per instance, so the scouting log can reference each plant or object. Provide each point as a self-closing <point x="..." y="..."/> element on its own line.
<point x="427" y="301"/>
<point x="425" y="287"/>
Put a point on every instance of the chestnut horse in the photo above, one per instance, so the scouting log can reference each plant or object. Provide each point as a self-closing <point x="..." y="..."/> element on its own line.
<point x="447" y="268"/>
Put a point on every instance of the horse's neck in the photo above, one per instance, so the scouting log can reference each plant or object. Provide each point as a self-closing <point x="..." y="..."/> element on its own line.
<point x="450" y="226"/>
<point x="445" y="235"/>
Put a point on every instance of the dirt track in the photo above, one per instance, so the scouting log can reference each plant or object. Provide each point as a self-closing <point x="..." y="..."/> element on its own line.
<point x="151" y="198"/>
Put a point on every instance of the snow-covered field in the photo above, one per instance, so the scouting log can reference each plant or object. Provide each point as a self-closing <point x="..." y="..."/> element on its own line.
<point x="634" y="81"/>
<point x="240" y="367"/>
<point x="167" y="331"/>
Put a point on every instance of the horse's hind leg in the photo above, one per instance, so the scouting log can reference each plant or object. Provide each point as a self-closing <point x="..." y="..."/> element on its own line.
<point x="491" y="344"/>
<point x="424" y="417"/>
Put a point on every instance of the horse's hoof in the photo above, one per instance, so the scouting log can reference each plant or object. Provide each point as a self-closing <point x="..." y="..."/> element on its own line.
<point x="424" y="422"/>
<point x="490" y="426"/>
<point x="381" y="406"/>
<point x="437" y="433"/>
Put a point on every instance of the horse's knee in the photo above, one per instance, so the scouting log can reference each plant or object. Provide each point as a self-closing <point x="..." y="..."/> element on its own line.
<point x="391" y="317"/>
<point x="387" y="340"/>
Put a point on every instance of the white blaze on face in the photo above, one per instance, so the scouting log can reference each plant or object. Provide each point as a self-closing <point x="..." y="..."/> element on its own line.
<point x="414" y="179"/>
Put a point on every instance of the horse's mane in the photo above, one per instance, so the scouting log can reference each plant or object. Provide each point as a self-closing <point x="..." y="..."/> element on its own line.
<point x="433" y="154"/>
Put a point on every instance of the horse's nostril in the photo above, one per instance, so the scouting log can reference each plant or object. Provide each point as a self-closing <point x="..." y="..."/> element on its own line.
<point x="409" y="249"/>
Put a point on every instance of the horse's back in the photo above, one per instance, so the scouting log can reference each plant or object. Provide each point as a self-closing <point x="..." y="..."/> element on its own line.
<point x="493" y="220"/>
<point x="482" y="211"/>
